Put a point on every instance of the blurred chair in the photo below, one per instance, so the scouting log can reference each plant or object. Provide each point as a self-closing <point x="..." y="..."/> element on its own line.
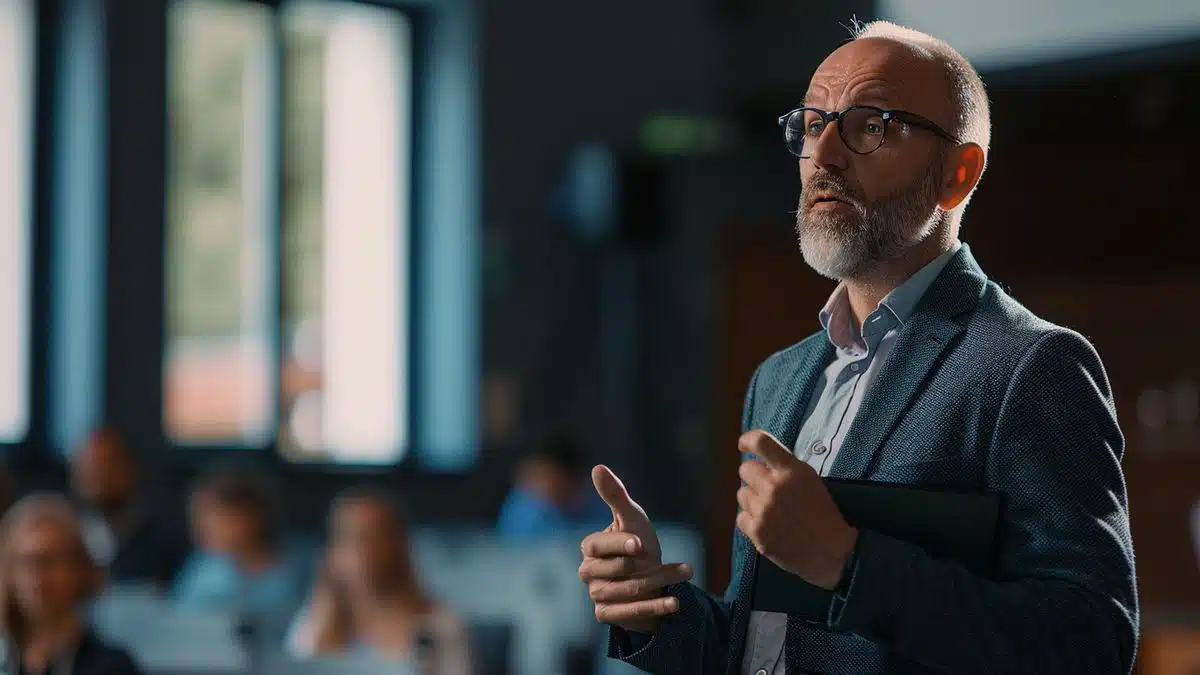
<point x="162" y="639"/>
<point x="534" y="585"/>
<point x="491" y="644"/>
<point x="343" y="666"/>
<point x="123" y="608"/>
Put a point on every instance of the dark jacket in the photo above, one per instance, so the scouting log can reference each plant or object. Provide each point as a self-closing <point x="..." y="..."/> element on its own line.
<point x="91" y="657"/>
<point x="978" y="393"/>
<point x="151" y="553"/>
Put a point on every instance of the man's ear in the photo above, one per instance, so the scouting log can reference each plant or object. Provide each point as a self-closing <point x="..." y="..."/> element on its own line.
<point x="964" y="165"/>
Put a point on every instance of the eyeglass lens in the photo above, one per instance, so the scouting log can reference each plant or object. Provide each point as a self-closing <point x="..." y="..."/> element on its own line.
<point x="861" y="129"/>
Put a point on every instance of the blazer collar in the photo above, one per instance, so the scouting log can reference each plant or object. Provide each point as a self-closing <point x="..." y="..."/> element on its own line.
<point x="937" y="321"/>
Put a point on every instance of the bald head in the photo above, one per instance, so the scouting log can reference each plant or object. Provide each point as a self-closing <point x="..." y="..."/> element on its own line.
<point x="883" y="194"/>
<point x="970" y="112"/>
<point x="103" y="473"/>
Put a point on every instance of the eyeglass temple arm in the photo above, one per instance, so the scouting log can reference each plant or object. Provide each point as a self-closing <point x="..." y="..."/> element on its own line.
<point x="905" y="117"/>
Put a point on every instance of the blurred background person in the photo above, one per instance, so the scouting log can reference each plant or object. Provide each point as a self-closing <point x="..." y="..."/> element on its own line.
<point x="552" y="493"/>
<point x="46" y="576"/>
<point x="368" y="598"/>
<point x="125" y="533"/>
<point x="242" y="562"/>
<point x="1196" y="531"/>
<point x="8" y="489"/>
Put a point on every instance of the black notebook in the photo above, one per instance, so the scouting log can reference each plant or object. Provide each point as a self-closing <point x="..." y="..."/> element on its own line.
<point x="959" y="526"/>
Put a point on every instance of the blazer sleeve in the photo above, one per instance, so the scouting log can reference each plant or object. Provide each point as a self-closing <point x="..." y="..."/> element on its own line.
<point x="695" y="639"/>
<point x="1065" y="598"/>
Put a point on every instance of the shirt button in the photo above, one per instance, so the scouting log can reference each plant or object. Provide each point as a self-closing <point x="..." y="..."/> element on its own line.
<point x="761" y="671"/>
<point x="854" y="367"/>
<point x="819" y="448"/>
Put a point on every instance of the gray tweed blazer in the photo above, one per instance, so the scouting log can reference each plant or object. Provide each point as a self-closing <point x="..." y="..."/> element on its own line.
<point x="978" y="393"/>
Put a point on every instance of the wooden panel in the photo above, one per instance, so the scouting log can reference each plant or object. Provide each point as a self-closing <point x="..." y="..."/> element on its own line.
<point x="1144" y="329"/>
<point x="771" y="301"/>
<point x="1170" y="650"/>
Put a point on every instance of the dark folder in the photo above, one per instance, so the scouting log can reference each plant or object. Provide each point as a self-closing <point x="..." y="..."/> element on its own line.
<point x="958" y="526"/>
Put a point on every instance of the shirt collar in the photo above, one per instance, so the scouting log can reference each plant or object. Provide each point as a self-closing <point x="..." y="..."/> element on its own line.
<point x="837" y="319"/>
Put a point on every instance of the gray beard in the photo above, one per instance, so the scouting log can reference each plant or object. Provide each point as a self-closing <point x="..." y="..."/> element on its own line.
<point x="853" y="246"/>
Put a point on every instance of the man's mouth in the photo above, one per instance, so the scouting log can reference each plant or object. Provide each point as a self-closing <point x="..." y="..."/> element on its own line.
<point x="828" y="198"/>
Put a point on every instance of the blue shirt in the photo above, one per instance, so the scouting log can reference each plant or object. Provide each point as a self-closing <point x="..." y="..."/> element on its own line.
<point x="213" y="582"/>
<point x="526" y="515"/>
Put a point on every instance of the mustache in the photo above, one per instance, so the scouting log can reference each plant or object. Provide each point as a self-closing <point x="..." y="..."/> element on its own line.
<point x="834" y="184"/>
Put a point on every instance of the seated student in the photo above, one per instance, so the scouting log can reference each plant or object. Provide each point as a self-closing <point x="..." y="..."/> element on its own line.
<point x="368" y="598"/>
<point x="553" y="494"/>
<point x="126" y="533"/>
<point x="242" y="563"/>
<point x="46" y="577"/>
<point x="8" y="489"/>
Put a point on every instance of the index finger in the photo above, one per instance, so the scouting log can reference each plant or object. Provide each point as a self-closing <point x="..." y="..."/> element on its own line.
<point x="765" y="447"/>
<point x="610" y="544"/>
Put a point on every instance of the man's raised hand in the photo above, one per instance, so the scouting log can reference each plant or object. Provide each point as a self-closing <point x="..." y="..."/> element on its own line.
<point x="622" y="565"/>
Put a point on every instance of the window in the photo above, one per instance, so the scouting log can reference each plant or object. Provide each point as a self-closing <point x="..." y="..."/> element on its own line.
<point x="16" y="169"/>
<point x="219" y="354"/>
<point x="345" y="232"/>
<point x="342" y="248"/>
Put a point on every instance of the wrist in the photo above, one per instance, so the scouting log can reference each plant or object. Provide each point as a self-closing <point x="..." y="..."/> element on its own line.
<point x="842" y="561"/>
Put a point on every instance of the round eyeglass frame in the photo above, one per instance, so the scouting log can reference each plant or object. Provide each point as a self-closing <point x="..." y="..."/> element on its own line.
<point x="887" y="115"/>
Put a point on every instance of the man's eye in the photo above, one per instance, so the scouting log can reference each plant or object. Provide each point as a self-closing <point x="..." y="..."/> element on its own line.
<point x="815" y="128"/>
<point x="874" y="127"/>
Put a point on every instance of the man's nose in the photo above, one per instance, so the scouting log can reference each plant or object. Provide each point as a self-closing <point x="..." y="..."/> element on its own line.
<point x="827" y="150"/>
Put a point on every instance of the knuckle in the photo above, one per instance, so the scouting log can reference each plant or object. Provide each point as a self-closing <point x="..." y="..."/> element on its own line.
<point x="602" y="613"/>
<point x="637" y="587"/>
<point x="756" y="531"/>
<point x="758" y="438"/>
<point x="766" y="502"/>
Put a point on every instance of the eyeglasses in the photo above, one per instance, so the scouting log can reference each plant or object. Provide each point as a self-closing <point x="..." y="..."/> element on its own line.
<point x="862" y="127"/>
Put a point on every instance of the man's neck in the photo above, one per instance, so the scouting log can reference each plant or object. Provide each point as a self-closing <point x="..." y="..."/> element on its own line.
<point x="254" y="560"/>
<point x="867" y="292"/>
<point x="47" y="638"/>
<point x="404" y="597"/>
<point x="117" y="513"/>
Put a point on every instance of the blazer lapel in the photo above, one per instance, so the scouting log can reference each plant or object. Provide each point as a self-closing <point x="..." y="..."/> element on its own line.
<point x="795" y="393"/>
<point x="784" y="411"/>
<point x="923" y="339"/>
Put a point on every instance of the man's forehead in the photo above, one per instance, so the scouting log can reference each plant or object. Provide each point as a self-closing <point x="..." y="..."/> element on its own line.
<point x="876" y="71"/>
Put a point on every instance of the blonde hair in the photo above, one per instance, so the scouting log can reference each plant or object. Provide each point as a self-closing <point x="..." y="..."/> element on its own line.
<point x="40" y="508"/>
<point x="330" y="617"/>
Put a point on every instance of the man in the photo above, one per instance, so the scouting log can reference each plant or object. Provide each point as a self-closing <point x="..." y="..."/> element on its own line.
<point x="925" y="373"/>
<point x="123" y="532"/>
<point x="551" y="495"/>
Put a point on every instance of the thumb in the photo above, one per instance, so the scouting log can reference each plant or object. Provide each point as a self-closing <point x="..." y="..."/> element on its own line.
<point x="610" y="488"/>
